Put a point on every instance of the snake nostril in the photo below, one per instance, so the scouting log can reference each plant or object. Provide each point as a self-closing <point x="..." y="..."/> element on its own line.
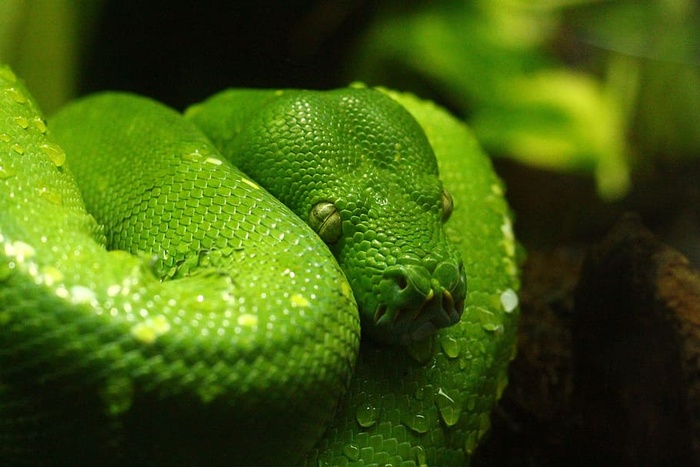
<point x="402" y="282"/>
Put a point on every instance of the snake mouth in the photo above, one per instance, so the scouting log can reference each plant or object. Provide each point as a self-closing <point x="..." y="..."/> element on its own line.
<point x="415" y="323"/>
<point x="448" y="313"/>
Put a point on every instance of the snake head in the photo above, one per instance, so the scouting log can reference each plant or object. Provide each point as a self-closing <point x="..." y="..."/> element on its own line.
<point x="382" y="211"/>
<point x="408" y="279"/>
<point x="359" y="168"/>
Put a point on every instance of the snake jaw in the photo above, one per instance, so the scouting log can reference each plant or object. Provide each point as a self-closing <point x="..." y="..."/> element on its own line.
<point x="408" y="324"/>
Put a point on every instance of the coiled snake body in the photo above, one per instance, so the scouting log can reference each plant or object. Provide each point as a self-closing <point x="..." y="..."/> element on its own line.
<point x="160" y="307"/>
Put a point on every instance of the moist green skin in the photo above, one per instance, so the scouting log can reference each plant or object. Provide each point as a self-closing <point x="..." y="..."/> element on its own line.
<point x="104" y="359"/>
<point x="361" y="151"/>
<point x="224" y="343"/>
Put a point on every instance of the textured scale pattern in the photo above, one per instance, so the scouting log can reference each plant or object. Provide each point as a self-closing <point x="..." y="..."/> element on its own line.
<point x="368" y="156"/>
<point x="227" y="333"/>
<point x="429" y="405"/>
<point x="98" y="326"/>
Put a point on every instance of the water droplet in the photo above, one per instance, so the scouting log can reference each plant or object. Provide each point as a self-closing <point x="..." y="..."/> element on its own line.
<point x="509" y="300"/>
<point x="22" y="122"/>
<point x="250" y="183"/>
<point x="52" y="275"/>
<point x="5" y="137"/>
<point x="422" y="351"/>
<point x="448" y="406"/>
<point x="366" y="415"/>
<point x="192" y="157"/>
<point x="16" y="95"/>
<point x="492" y="327"/>
<point x="351" y="451"/>
<point x="345" y="289"/>
<point x="508" y="237"/>
<point x="450" y="346"/>
<point x="299" y="300"/>
<point x="17" y="148"/>
<point x="150" y="329"/>
<point x="194" y="152"/>
<point x="425" y="394"/>
<point x="6" y="172"/>
<point x="19" y="250"/>
<point x="248" y="320"/>
<point x="419" y="453"/>
<point x="40" y="124"/>
<point x="415" y="421"/>
<point x="489" y="321"/>
<point x="55" y="153"/>
<point x="52" y="196"/>
<point x="82" y="294"/>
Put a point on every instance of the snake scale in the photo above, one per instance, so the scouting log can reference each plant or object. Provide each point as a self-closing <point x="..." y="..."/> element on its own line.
<point x="159" y="306"/>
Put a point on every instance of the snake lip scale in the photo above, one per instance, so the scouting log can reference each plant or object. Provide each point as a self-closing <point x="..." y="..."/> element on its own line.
<point x="446" y="311"/>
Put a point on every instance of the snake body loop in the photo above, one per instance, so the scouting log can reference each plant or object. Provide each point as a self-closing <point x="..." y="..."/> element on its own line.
<point x="188" y="290"/>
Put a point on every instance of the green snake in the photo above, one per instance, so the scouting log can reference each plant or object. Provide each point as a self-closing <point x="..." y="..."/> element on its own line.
<point x="189" y="289"/>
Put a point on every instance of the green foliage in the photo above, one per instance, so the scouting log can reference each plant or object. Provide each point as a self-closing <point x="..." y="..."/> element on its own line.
<point x="652" y="57"/>
<point x="494" y="63"/>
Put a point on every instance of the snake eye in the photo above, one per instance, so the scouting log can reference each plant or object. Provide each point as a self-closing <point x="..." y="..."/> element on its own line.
<point x="324" y="218"/>
<point x="447" y="205"/>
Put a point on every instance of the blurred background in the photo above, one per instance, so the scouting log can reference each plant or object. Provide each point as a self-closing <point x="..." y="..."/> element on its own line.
<point x="589" y="108"/>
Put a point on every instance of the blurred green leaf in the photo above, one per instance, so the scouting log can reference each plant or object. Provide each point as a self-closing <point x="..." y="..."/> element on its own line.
<point x="494" y="63"/>
<point x="660" y="39"/>
<point x="559" y="120"/>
